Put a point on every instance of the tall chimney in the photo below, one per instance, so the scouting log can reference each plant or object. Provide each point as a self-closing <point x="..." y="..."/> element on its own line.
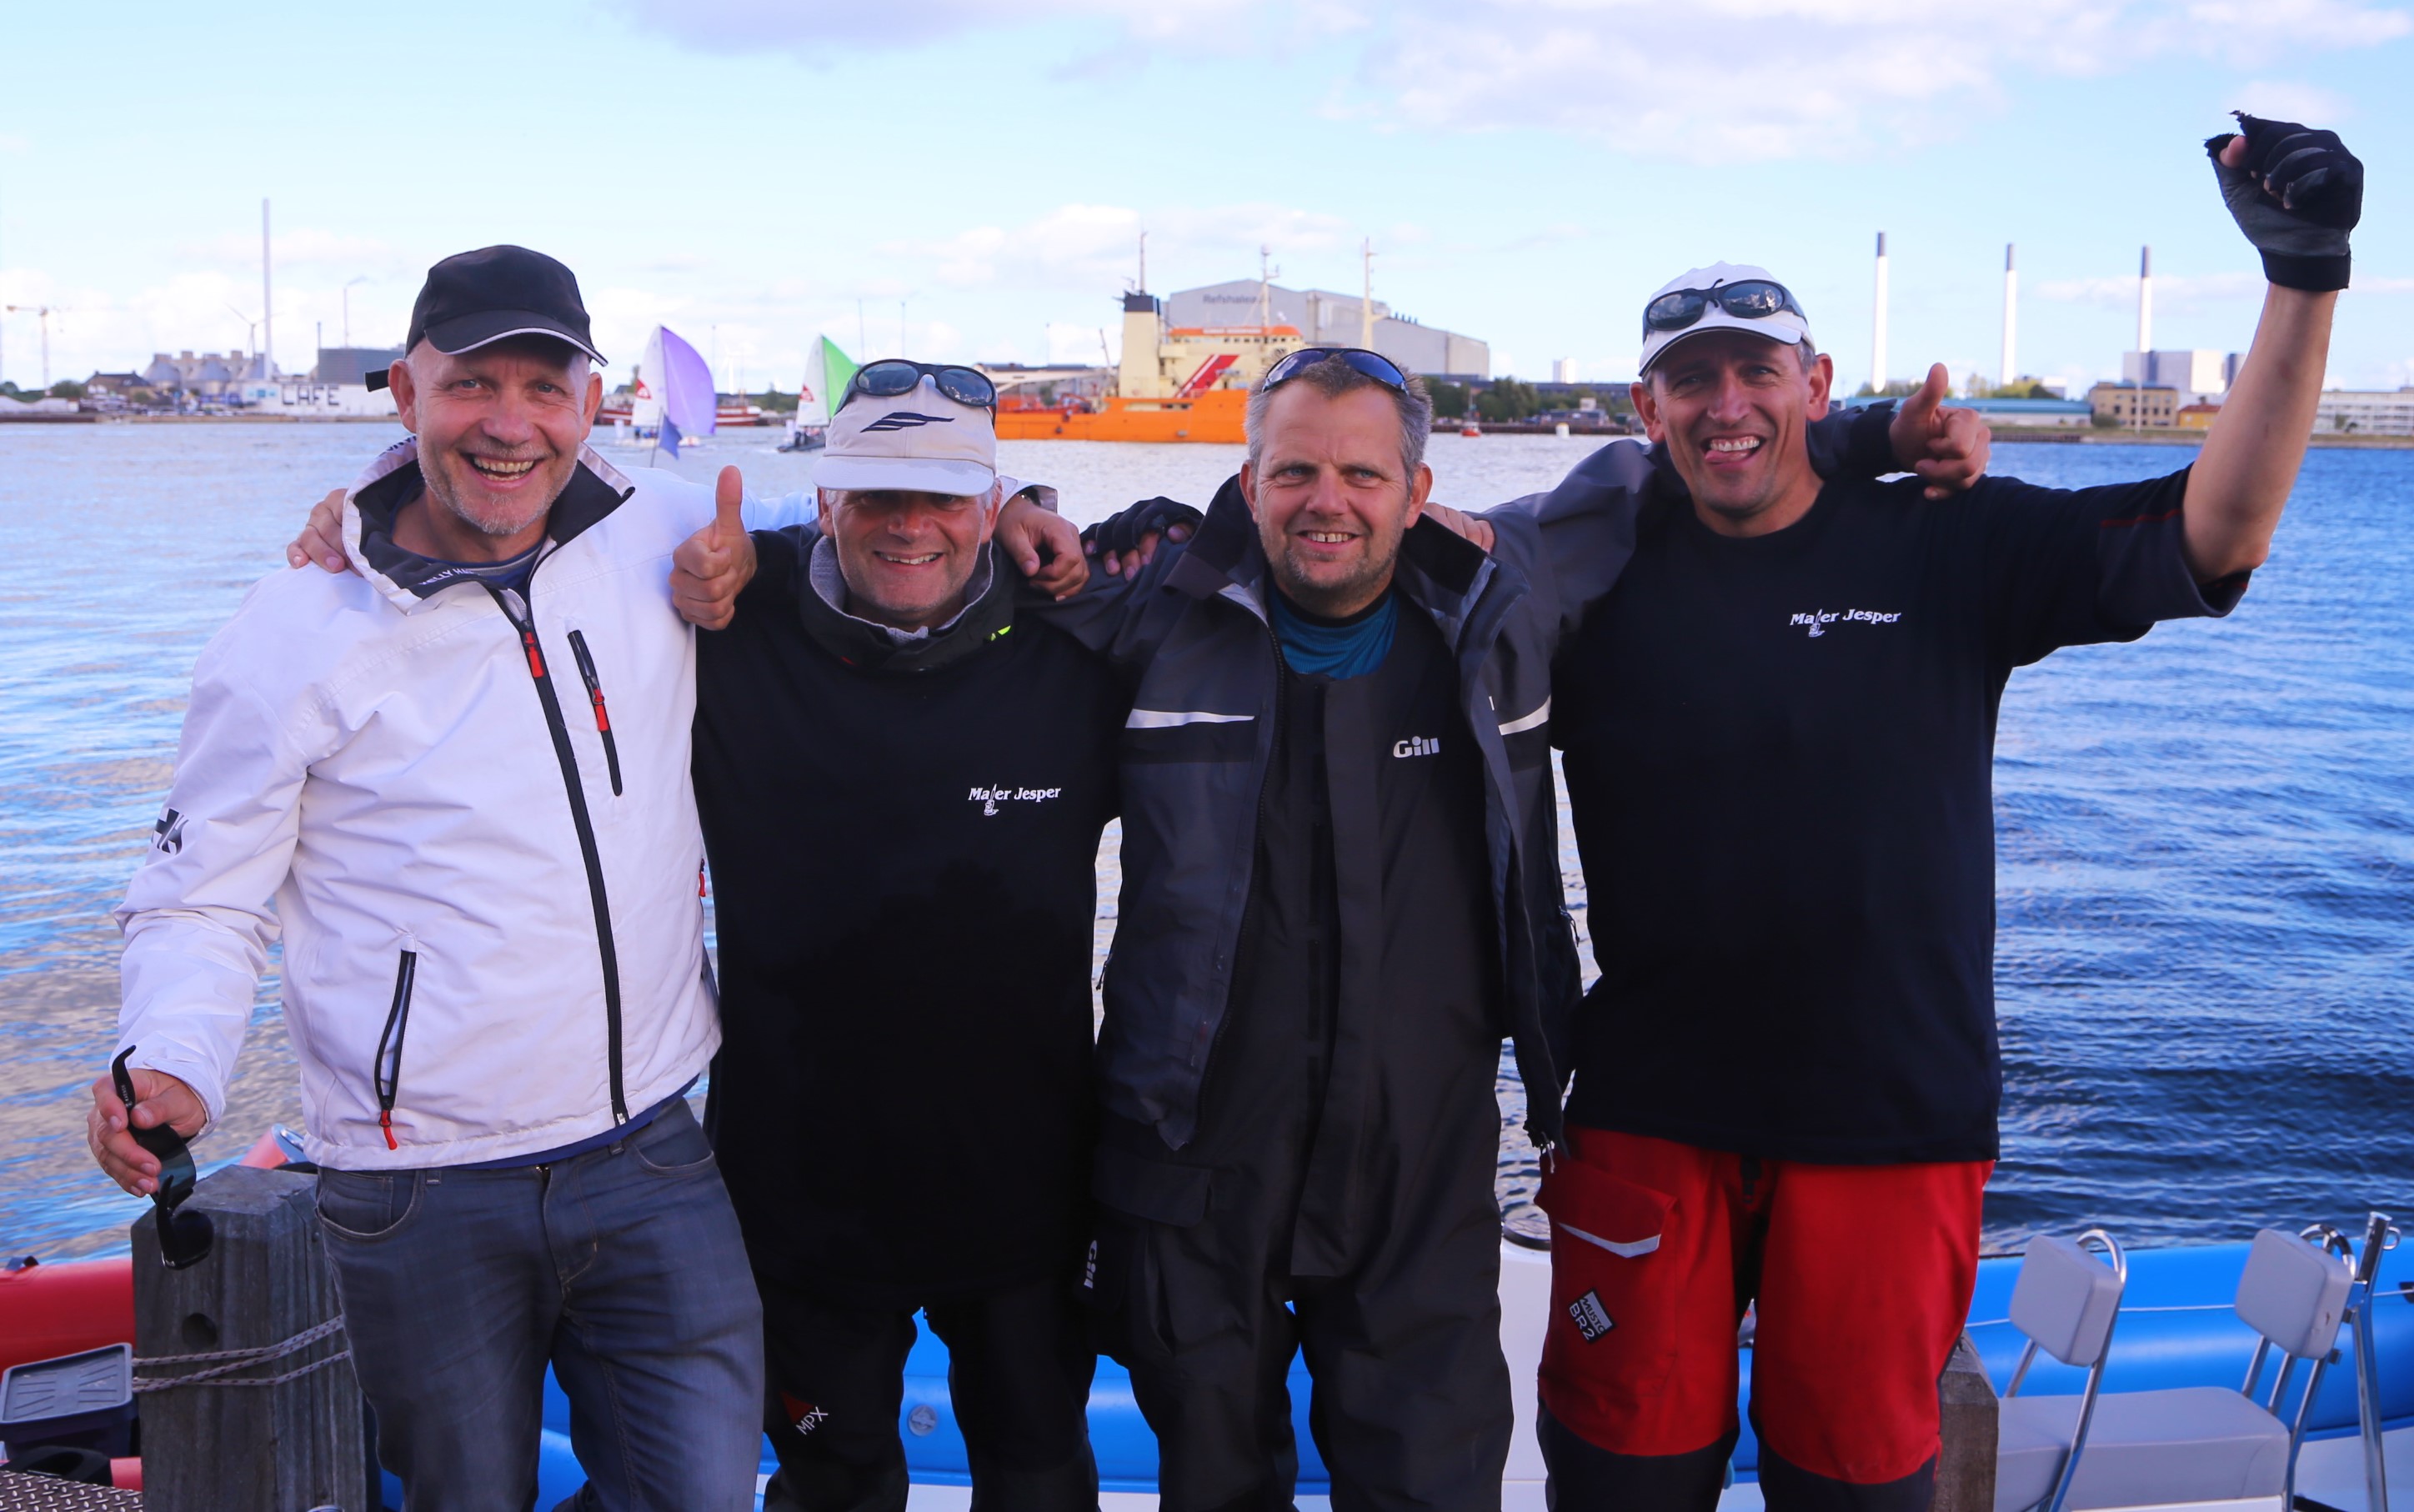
<point x="1877" y="325"/>
<point x="2011" y="316"/>
<point x="267" y="330"/>
<point x="2145" y="300"/>
<point x="1367" y="299"/>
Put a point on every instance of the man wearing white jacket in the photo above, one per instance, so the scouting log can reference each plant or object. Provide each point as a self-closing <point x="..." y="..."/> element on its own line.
<point x="460" y="774"/>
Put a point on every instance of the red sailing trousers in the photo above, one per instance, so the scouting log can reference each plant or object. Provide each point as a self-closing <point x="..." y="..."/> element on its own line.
<point x="1862" y="1274"/>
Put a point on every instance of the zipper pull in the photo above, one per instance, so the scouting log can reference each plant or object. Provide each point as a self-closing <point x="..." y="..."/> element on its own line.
<point x="385" y="1121"/>
<point x="603" y="720"/>
<point x="536" y="657"/>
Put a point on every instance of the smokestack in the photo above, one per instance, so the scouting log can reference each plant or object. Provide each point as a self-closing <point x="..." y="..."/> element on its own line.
<point x="1877" y="325"/>
<point x="1366" y="300"/>
<point x="2011" y="316"/>
<point x="267" y="329"/>
<point x="2145" y="299"/>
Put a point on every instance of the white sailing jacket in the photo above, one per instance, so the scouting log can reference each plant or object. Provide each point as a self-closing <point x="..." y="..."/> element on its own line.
<point x="473" y="819"/>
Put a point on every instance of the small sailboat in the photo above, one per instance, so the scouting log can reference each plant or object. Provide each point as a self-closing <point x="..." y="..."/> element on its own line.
<point x="827" y="371"/>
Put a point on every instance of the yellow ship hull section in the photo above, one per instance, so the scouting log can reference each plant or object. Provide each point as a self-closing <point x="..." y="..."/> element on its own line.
<point x="1213" y="416"/>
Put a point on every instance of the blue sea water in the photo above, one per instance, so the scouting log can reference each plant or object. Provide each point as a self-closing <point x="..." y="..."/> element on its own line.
<point x="2206" y="839"/>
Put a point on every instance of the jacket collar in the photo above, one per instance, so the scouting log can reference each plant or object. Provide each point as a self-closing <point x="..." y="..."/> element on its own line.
<point x="861" y="643"/>
<point x="1439" y="570"/>
<point x="407" y="580"/>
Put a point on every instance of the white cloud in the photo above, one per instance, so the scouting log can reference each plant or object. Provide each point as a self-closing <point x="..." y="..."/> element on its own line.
<point x="2289" y="99"/>
<point x="1712" y="81"/>
<point x="814" y="29"/>
<point x="1096" y="247"/>
<point x="2174" y="293"/>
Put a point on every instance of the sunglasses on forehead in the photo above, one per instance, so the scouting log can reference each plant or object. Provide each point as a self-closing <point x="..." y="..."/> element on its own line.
<point x="894" y="376"/>
<point x="1750" y="299"/>
<point x="1372" y="363"/>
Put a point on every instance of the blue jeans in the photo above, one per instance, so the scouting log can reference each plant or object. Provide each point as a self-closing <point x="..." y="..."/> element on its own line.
<point x="623" y="1267"/>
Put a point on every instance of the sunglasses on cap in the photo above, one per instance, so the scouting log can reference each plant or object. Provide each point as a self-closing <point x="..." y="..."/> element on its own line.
<point x="1749" y="299"/>
<point x="1372" y="363"/>
<point x="895" y="376"/>
<point x="184" y="1239"/>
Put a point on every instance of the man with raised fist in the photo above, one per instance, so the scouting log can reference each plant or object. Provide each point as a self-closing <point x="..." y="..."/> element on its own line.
<point x="1779" y="730"/>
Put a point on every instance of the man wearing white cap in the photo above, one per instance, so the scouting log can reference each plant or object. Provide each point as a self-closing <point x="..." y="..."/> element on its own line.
<point x="1779" y="730"/>
<point x="902" y="781"/>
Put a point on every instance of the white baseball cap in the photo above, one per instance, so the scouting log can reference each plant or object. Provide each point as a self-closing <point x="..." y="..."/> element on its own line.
<point x="1784" y="321"/>
<point x="923" y="442"/>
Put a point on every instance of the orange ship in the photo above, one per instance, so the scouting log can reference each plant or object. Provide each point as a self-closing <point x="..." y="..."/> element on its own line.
<point x="1185" y="383"/>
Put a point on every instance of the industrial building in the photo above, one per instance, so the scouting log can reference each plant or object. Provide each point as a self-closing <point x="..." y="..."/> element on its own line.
<point x="1325" y="318"/>
<point x="2366" y="411"/>
<point x="2203" y="377"/>
<point x="2135" y="405"/>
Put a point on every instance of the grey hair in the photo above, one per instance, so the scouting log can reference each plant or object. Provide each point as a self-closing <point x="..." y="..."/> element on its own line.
<point x="1332" y="377"/>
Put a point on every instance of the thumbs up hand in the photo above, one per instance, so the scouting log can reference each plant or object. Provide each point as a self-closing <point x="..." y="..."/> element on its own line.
<point x="1945" y="445"/>
<point x="712" y="566"/>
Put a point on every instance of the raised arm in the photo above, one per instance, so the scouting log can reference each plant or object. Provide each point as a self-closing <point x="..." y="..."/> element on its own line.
<point x="2296" y="193"/>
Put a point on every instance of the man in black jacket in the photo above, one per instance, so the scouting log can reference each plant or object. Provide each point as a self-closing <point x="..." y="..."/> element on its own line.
<point x="902" y="781"/>
<point x="1340" y="891"/>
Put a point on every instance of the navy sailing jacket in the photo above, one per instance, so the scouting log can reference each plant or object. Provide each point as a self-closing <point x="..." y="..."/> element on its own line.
<point x="1192" y="626"/>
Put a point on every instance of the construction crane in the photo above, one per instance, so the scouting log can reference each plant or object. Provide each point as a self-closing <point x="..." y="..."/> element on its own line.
<point x="43" y="312"/>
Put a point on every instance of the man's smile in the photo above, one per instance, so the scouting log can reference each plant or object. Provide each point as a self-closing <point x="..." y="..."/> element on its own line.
<point x="502" y="469"/>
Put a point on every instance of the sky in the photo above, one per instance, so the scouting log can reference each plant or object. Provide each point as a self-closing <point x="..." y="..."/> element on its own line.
<point x="965" y="180"/>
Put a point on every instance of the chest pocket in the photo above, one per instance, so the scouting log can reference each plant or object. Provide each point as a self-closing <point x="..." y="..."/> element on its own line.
<point x="591" y="678"/>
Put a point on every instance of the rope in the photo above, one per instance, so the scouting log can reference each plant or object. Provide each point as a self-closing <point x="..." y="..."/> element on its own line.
<point x="225" y="1362"/>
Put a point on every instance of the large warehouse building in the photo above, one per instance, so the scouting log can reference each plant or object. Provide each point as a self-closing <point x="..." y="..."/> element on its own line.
<point x="1327" y="319"/>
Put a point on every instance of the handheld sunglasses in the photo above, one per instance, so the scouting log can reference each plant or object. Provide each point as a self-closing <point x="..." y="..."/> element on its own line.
<point x="184" y="1239"/>
<point x="894" y="376"/>
<point x="1372" y="363"/>
<point x="1750" y="299"/>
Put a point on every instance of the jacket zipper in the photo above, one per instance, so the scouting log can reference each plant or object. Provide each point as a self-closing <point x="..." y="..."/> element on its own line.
<point x="1265" y="780"/>
<point x="587" y="847"/>
<point x="387" y="1068"/>
<point x="595" y="696"/>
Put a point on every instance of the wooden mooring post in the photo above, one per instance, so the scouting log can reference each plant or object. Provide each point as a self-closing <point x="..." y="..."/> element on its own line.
<point x="260" y="1309"/>
<point x="1965" y="1463"/>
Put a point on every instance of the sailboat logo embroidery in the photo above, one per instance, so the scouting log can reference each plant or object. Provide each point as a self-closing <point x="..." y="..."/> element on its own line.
<point x="905" y="419"/>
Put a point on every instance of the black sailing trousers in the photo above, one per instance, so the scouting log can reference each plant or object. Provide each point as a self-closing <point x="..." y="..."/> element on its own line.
<point x="1020" y="1362"/>
<point x="1410" y="1407"/>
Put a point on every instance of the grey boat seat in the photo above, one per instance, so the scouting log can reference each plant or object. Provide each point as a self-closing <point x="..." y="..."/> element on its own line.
<point x="2190" y="1444"/>
<point x="2144" y="1449"/>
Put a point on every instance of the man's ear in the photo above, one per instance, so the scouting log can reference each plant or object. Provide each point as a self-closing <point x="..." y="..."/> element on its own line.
<point x="1822" y="382"/>
<point x="594" y="397"/>
<point x="993" y="507"/>
<point x="1249" y="487"/>
<point x="1420" y="490"/>
<point x="406" y="395"/>
<point x="1645" y="407"/>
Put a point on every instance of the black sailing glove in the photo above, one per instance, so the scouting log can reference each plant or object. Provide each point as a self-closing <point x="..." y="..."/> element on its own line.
<point x="1122" y="532"/>
<point x="2296" y="196"/>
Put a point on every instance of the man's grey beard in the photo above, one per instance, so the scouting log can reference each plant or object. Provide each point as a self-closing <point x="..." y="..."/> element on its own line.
<point x="1331" y="600"/>
<point x="497" y="526"/>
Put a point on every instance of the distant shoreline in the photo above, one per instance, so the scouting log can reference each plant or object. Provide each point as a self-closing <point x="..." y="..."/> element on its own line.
<point x="2037" y="435"/>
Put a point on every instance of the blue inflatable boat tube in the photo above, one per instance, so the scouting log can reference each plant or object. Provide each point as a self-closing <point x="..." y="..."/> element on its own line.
<point x="2177" y="1329"/>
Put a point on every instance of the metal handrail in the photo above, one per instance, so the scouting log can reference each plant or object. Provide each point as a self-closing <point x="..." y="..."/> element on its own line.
<point x="2380" y="1235"/>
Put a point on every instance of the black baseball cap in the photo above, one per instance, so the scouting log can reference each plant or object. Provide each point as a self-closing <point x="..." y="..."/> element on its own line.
<point x="475" y="299"/>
